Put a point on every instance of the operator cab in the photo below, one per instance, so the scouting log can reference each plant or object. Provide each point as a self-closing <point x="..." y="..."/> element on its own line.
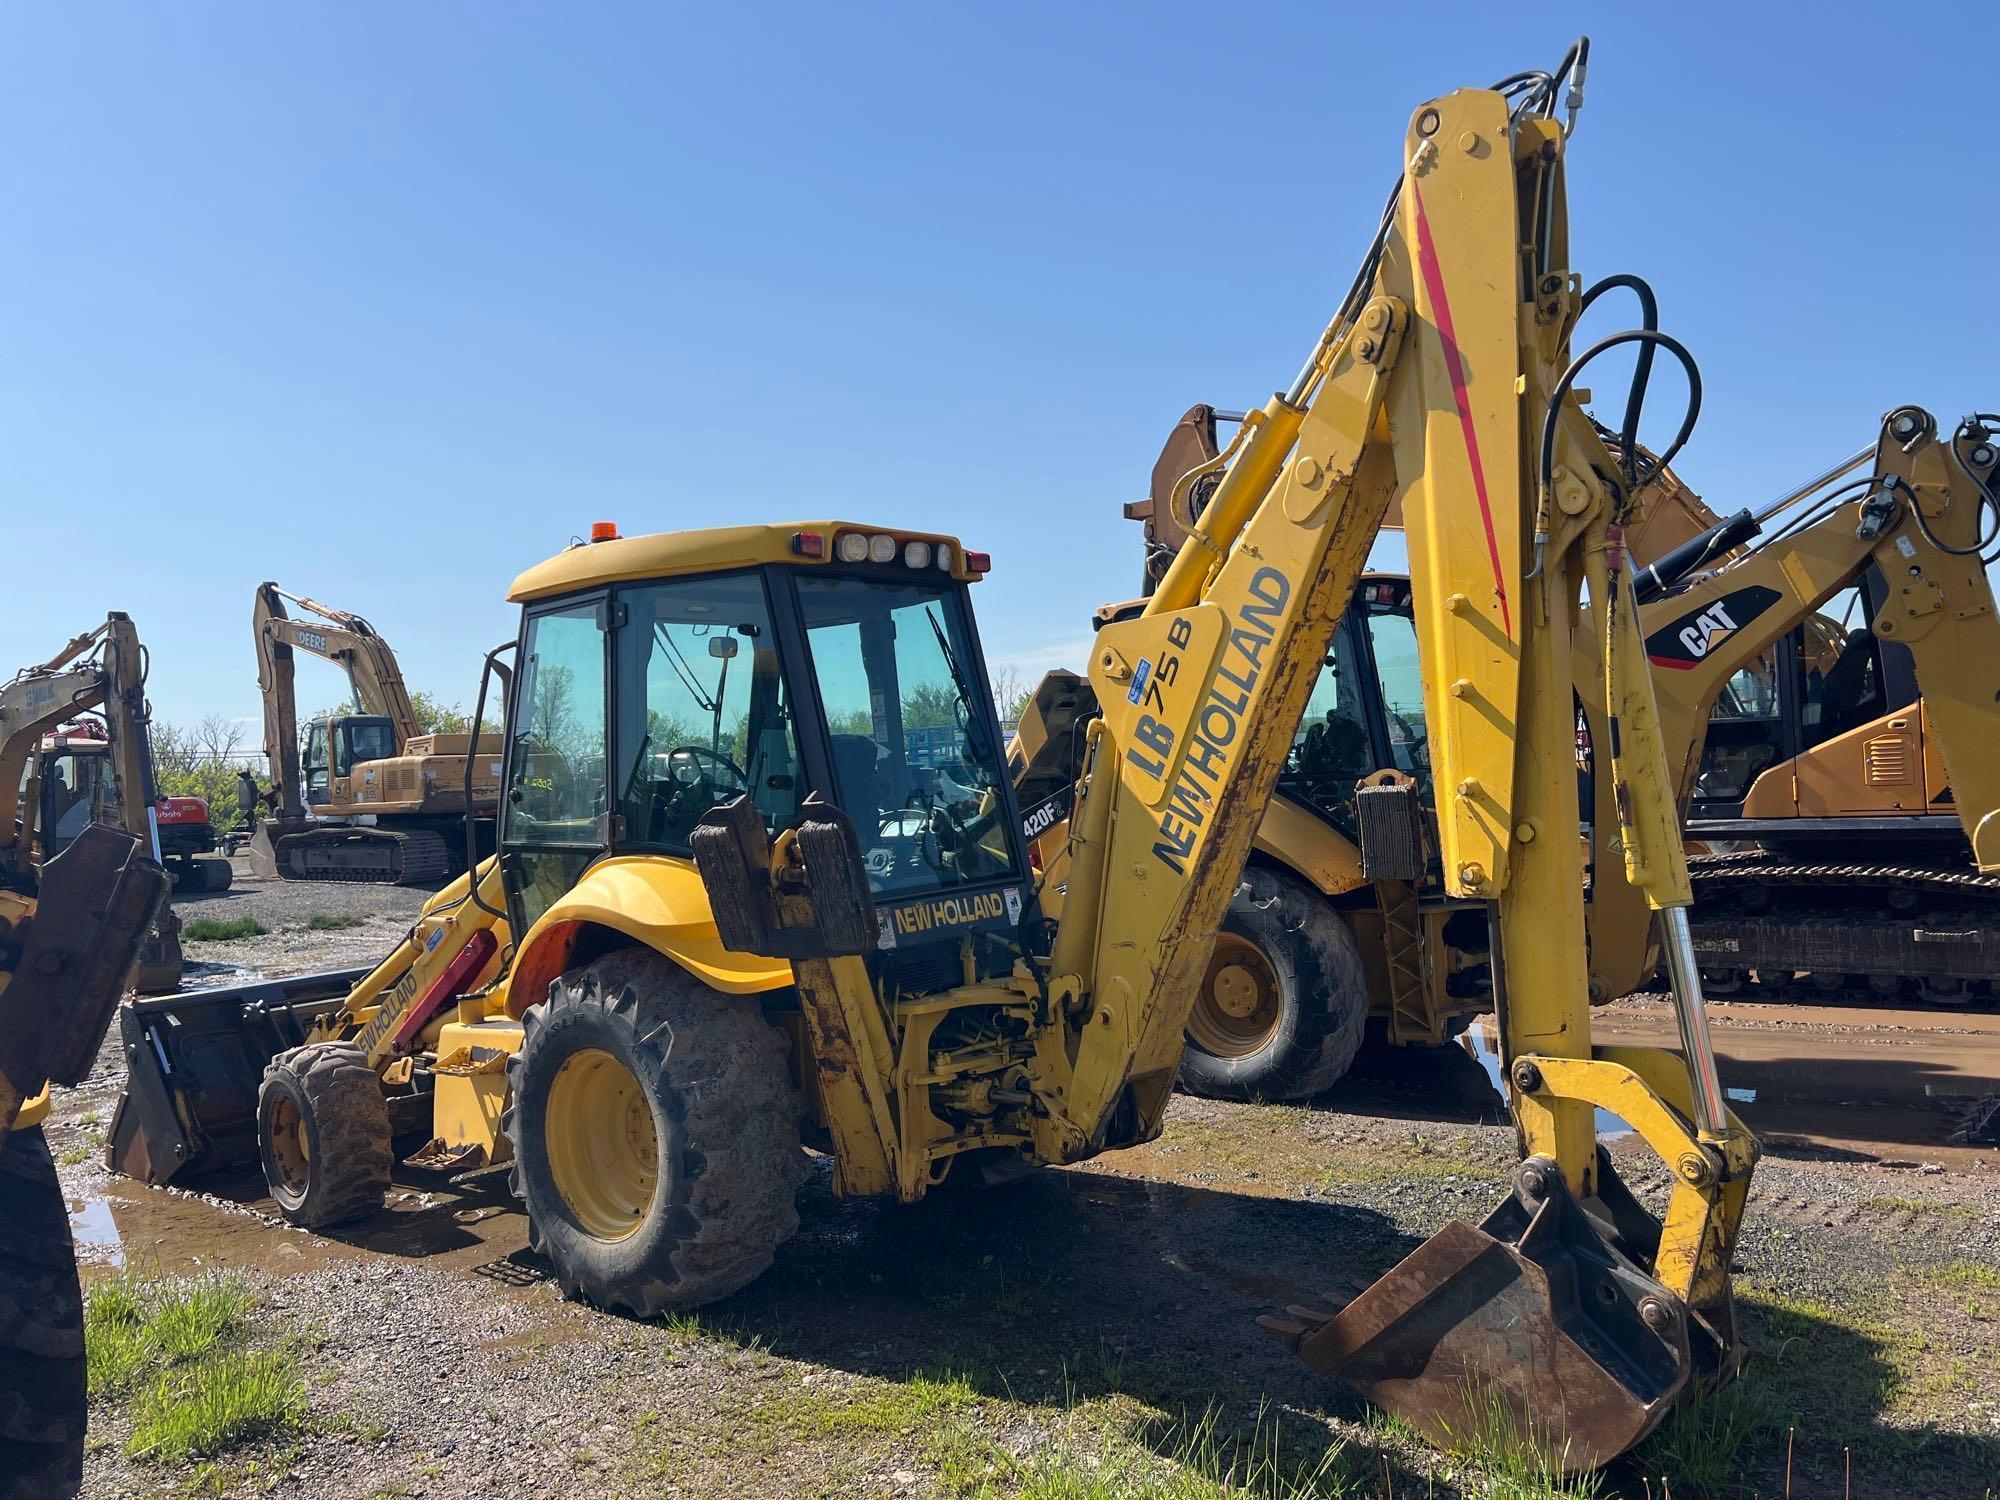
<point x="336" y="744"/>
<point x="765" y="663"/>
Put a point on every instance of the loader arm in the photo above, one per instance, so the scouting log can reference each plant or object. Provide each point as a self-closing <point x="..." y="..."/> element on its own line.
<point x="1920" y="509"/>
<point x="338" y="636"/>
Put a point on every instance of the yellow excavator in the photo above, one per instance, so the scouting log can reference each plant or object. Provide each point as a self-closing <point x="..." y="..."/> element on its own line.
<point x="72" y="928"/>
<point x="1907" y="910"/>
<point x="364" y="796"/>
<point x="735" y="912"/>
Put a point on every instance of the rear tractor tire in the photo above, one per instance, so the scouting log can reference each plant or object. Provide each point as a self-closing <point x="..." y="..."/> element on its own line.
<point x="655" y="1129"/>
<point x="323" y="1134"/>
<point x="1284" y="1004"/>
<point x="42" y="1408"/>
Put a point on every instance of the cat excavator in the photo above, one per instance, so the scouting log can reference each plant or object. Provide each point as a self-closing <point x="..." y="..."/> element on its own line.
<point x="72" y="928"/>
<point x="364" y="796"/>
<point x="737" y="912"/>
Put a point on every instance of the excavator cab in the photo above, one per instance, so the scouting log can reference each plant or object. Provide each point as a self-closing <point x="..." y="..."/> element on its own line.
<point x="335" y="745"/>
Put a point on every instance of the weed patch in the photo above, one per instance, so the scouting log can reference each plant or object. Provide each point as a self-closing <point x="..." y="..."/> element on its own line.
<point x="216" y="930"/>
<point x="175" y="1343"/>
<point x="334" y="921"/>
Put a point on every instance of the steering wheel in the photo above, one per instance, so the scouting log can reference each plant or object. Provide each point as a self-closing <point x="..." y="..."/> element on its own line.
<point x="690" y="759"/>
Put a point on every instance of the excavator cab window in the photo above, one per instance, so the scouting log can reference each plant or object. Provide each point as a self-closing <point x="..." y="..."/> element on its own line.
<point x="315" y="764"/>
<point x="1746" y="732"/>
<point x="358" y="740"/>
<point x="1841" y="666"/>
<point x="702" y="711"/>
<point x="916" y="752"/>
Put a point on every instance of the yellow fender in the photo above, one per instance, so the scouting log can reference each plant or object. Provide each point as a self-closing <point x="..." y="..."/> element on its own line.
<point x="652" y="899"/>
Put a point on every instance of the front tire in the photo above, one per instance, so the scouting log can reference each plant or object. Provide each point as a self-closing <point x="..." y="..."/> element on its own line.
<point x="323" y="1133"/>
<point x="1284" y="1003"/>
<point x="655" y="1130"/>
<point x="42" y="1406"/>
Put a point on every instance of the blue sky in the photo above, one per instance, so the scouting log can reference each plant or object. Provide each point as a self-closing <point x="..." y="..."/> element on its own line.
<point x="386" y="302"/>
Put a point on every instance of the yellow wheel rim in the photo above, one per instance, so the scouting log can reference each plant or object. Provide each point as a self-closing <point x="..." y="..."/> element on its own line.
<point x="604" y="1152"/>
<point x="1237" y="1011"/>
<point x="290" y="1152"/>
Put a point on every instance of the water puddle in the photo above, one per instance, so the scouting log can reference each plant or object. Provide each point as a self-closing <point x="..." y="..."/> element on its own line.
<point x="95" y="1230"/>
<point x="1481" y="1042"/>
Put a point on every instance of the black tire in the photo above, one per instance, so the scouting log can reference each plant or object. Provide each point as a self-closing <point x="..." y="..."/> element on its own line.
<point x="1321" y="995"/>
<point x="325" y="1094"/>
<point x="42" y="1405"/>
<point x="725" y="1120"/>
<point x="213" y="876"/>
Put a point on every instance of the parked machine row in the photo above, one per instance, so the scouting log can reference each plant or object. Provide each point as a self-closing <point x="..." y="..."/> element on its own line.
<point x="764" y="882"/>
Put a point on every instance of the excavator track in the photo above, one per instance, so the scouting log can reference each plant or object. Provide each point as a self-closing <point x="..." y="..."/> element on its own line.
<point x="1912" y="930"/>
<point x="373" y="856"/>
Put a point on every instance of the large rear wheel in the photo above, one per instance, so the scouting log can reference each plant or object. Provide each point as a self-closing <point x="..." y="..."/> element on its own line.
<point x="42" y="1405"/>
<point x="323" y="1133"/>
<point x="1284" y="1003"/>
<point x="655" y="1130"/>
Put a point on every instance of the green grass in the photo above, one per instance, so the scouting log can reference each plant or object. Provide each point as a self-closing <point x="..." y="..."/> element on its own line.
<point x="214" y="930"/>
<point x="1974" y="1274"/>
<point x="1514" y="1462"/>
<point x="176" y="1344"/>
<point x="1709" y="1443"/>
<point x="1198" y="1460"/>
<point x="195" y="1411"/>
<point x="80" y="1152"/>
<point x="334" y="921"/>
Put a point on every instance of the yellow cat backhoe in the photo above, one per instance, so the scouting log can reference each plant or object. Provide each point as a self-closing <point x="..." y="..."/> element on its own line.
<point x="762" y="880"/>
<point x="364" y="796"/>
<point x="71" y="930"/>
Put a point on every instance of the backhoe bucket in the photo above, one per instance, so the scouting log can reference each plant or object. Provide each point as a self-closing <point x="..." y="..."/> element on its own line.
<point x="1533" y="1323"/>
<point x="193" y="1065"/>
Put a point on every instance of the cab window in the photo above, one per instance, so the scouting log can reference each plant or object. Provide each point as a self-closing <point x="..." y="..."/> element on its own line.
<point x="1331" y="752"/>
<point x="1746" y="733"/>
<point x="361" y="741"/>
<point x="1392" y="636"/>
<point x="703" y="712"/>
<point x="555" y="771"/>
<point x="314" y="764"/>
<point x="917" y="762"/>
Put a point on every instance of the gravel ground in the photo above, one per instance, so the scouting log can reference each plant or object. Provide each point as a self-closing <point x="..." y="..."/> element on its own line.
<point x="285" y="908"/>
<point x="1057" y="1337"/>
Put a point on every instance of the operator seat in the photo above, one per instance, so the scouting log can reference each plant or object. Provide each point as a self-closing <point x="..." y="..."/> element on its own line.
<point x="857" y="769"/>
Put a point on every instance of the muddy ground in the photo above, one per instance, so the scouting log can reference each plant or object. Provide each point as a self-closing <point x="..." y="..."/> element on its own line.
<point x="1090" y="1331"/>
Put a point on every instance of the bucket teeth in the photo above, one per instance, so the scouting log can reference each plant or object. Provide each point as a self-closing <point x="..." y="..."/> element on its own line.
<point x="1300" y="1320"/>
<point x="1286" y="1331"/>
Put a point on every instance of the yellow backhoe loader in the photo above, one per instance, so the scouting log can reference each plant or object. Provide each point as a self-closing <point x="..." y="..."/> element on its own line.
<point x="71" y="930"/>
<point x="1906" y="909"/>
<point x="734" y="912"/>
<point x="364" y="796"/>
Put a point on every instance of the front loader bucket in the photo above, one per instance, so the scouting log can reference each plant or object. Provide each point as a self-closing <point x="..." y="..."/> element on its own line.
<point x="1532" y="1322"/>
<point x="193" y="1065"/>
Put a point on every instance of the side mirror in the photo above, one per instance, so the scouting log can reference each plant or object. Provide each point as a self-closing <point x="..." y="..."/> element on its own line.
<point x="722" y="646"/>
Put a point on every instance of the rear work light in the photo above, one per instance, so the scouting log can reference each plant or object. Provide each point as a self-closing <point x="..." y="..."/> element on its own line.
<point x="917" y="554"/>
<point x="808" y="544"/>
<point x="881" y="548"/>
<point x="852" y="546"/>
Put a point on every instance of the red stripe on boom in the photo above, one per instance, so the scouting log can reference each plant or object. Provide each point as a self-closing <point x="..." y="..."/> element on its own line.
<point x="1427" y="261"/>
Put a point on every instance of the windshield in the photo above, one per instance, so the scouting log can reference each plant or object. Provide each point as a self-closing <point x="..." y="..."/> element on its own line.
<point x="703" y="712"/>
<point x="915" y="762"/>
<point x="365" y="740"/>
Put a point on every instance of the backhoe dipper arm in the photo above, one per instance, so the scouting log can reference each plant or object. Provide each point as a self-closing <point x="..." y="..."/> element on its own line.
<point x="1940" y="605"/>
<point x="1444" y="388"/>
<point x="346" y="640"/>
